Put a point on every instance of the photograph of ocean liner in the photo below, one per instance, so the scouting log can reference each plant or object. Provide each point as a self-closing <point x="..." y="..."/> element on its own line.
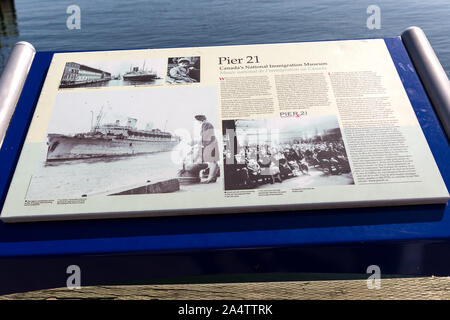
<point x="109" y="139"/>
<point x="183" y="70"/>
<point x="113" y="73"/>
<point x="140" y="141"/>
<point x="288" y="153"/>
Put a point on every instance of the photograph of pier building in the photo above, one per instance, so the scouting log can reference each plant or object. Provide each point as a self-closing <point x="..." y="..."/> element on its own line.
<point x="76" y="74"/>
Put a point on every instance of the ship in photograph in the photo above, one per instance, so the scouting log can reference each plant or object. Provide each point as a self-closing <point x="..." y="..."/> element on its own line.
<point x="140" y="75"/>
<point x="107" y="140"/>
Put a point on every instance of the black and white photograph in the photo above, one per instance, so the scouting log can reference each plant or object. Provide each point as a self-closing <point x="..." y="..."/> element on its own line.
<point x="138" y="141"/>
<point x="113" y="73"/>
<point x="183" y="70"/>
<point x="294" y="152"/>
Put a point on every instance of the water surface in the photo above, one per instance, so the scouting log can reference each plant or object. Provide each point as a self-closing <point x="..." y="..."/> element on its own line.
<point x="157" y="23"/>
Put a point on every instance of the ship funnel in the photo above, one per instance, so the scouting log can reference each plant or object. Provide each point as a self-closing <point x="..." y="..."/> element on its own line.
<point x="131" y="122"/>
<point x="149" y="126"/>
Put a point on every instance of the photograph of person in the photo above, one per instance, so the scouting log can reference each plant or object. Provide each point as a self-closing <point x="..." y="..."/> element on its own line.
<point x="183" y="70"/>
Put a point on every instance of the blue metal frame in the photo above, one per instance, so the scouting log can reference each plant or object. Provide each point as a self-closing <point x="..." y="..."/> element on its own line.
<point x="345" y="227"/>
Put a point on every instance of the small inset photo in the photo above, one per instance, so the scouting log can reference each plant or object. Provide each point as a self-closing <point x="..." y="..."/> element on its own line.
<point x="183" y="70"/>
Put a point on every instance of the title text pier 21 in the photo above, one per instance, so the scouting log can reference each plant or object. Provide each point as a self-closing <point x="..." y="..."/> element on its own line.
<point x="248" y="59"/>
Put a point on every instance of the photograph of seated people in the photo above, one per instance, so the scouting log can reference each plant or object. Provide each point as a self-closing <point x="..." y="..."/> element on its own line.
<point x="295" y="158"/>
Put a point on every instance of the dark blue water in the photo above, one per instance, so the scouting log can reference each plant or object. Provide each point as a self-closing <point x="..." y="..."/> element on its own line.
<point x="141" y="23"/>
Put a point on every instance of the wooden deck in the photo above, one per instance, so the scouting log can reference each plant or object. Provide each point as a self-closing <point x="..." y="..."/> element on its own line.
<point x="394" y="288"/>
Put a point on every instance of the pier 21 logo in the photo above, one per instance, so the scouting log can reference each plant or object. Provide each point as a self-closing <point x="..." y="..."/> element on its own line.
<point x="293" y="114"/>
